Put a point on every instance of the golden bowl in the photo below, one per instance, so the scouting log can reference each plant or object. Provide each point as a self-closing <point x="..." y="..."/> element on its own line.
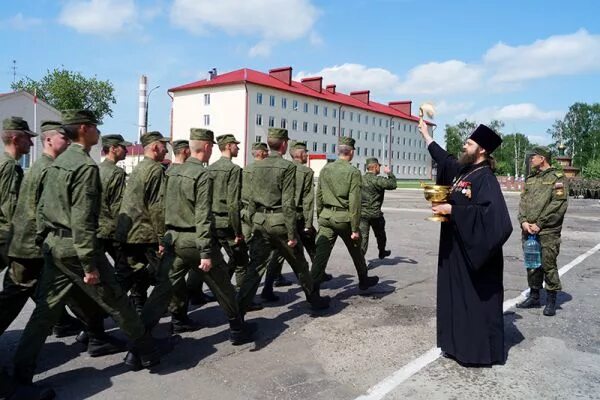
<point x="436" y="193"/>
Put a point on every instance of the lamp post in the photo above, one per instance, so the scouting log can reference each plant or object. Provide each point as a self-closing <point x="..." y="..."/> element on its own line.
<point x="147" y="101"/>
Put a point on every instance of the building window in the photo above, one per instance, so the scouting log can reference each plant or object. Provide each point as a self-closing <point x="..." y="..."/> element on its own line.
<point x="305" y="126"/>
<point x="305" y="107"/>
<point x="258" y="139"/>
<point x="315" y="128"/>
<point x="343" y="114"/>
<point x="358" y="117"/>
<point x="358" y="151"/>
<point x="294" y="125"/>
<point x="283" y="123"/>
<point x="258" y="98"/>
<point x="259" y="119"/>
<point x="404" y="169"/>
<point x="351" y="132"/>
<point x="283" y="102"/>
<point x="385" y="154"/>
<point x="315" y="146"/>
<point x="380" y="121"/>
<point x="207" y="99"/>
<point x="351" y="115"/>
<point x="385" y="137"/>
<point x="324" y="129"/>
<point x="333" y="130"/>
<point x="372" y="136"/>
<point x="358" y="135"/>
<point x="271" y="122"/>
<point x="343" y="131"/>
<point x="316" y="109"/>
<point x="379" y="153"/>
<point x="334" y="113"/>
<point x="372" y="152"/>
<point x="324" y="111"/>
<point x="380" y="138"/>
<point x="324" y="147"/>
<point x="333" y="148"/>
<point x="272" y="101"/>
<point x="404" y="141"/>
<point x="387" y="123"/>
<point x="295" y="105"/>
<point x="206" y="120"/>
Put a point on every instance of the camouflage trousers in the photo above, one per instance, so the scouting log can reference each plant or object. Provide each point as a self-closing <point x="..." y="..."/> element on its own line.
<point x="548" y="272"/>
<point x="378" y="225"/>
<point x="276" y="259"/>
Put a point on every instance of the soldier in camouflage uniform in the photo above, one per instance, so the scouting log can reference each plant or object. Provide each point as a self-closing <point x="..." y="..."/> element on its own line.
<point x="338" y="213"/>
<point x="68" y="219"/>
<point x="372" y="193"/>
<point x="112" y="178"/>
<point x="181" y="152"/>
<point x="191" y="237"/>
<point x="259" y="152"/>
<point x="16" y="137"/>
<point x="140" y="230"/>
<point x="542" y="209"/>
<point x="272" y="210"/>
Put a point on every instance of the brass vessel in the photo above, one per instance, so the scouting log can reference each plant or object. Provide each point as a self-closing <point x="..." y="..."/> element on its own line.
<point x="436" y="194"/>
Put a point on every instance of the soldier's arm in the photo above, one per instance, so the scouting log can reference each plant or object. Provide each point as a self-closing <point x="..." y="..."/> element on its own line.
<point x="155" y="187"/>
<point x="554" y="212"/>
<point x="234" y="200"/>
<point x="85" y="203"/>
<point x="202" y="214"/>
<point x="8" y="199"/>
<point x="319" y="198"/>
<point x="354" y="200"/>
<point x="288" y="192"/>
<point x="115" y="189"/>
<point x="41" y="225"/>
<point x="384" y="183"/>
<point x="308" y="199"/>
<point x="522" y="217"/>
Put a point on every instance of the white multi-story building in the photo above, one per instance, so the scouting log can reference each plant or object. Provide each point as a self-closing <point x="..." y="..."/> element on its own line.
<point x="247" y="103"/>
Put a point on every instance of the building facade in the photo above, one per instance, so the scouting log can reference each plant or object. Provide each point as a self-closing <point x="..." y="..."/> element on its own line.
<point x="247" y="103"/>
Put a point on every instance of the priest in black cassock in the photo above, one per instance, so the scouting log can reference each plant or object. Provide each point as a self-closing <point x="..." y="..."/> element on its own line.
<point x="470" y="293"/>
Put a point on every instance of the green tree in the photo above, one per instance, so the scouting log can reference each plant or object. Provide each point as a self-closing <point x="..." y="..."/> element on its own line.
<point x="592" y="170"/>
<point x="64" y="89"/>
<point x="457" y="134"/>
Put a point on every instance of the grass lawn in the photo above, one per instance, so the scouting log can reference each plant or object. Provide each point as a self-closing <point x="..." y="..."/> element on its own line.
<point x="411" y="184"/>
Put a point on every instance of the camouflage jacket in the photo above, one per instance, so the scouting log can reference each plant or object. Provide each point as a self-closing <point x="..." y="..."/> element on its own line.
<point x="112" y="179"/>
<point x="226" y="199"/>
<point x="338" y="193"/>
<point x="544" y="200"/>
<point x="189" y="194"/>
<point x="22" y="244"/>
<point x="373" y="191"/>
<point x="141" y="218"/>
<point x="305" y="193"/>
<point x="72" y="203"/>
<point x="273" y="188"/>
<point x="11" y="175"/>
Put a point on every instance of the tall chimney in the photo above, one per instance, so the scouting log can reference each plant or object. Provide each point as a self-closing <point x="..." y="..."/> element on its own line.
<point x="142" y="122"/>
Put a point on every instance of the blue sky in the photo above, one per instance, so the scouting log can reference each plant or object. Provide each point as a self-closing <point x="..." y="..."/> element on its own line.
<point x="524" y="62"/>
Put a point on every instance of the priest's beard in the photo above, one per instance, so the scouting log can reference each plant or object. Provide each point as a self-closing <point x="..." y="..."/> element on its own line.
<point x="467" y="159"/>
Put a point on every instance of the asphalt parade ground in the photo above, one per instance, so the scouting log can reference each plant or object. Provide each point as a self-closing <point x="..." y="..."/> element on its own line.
<point x="374" y="345"/>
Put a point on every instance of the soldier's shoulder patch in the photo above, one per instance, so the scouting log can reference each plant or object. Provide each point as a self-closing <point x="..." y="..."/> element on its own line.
<point x="559" y="174"/>
<point x="559" y="185"/>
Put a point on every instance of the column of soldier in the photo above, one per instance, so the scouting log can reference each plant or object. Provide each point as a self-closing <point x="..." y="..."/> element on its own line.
<point x="58" y="222"/>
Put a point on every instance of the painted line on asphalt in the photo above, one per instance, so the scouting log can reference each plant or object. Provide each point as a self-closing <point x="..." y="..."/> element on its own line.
<point x="417" y="210"/>
<point x="380" y="390"/>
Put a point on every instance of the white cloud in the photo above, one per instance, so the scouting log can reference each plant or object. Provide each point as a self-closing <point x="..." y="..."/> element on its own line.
<point x="557" y="55"/>
<point x="262" y="49"/>
<point x="444" y="107"/>
<point x="21" y="23"/>
<point x="102" y="17"/>
<point x="272" y="21"/>
<point x="451" y="76"/>
<point x="513" y="112"/>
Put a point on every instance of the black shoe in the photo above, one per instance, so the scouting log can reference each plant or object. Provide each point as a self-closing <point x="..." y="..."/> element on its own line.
<point x="327" y="277"/>
<point x="82" y="338"/>
<point x="367" y="282"/>
<point x="32" y="392"/>
<point x="550" y="309"/>
<point x="532" y="301"/>
<point x="103" y="345"/>
<point x="254" y="307"/>
<point x="181" y="325"/>
<point x="144" y="354"/>
<point x="384" y="253"/>
<point x="318" y="302"/>
<point x="240" y="332"/>
<point x="269" y="296"/>
<point x="69" y="327"/>
<point x="281" y="282"/>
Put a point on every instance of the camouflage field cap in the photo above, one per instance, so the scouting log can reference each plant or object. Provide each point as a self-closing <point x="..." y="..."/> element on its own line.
<point x="48" y="126"/>
<point x="225" y="139"/>
<point x="260" y="146"/>
<point x="17" y="124"/>
<point x="542" y="151"/>
<point x="114" y="140"/>
<point x="372" y="160"/>
<point x="346" y="141"/>
<point x="278" y="133"/>
<point x="151" y="137"/>
<point x="202" y="134"/>
<point x="298" y="145"/>
<point x="79" y="116"/>
<point x="179" y="145"/>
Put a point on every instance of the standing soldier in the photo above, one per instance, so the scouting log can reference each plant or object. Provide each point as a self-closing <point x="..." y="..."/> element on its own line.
<point x="140" y="230"/>
<point x="113" y="180"/>
<point x="190" y="224"/>
<point x="226" y="206"/>
<point x="541" y="212"/>
<point x="181" y="152"/>
<point x="272" y="210"/>
<point x="68" y="218"/>
<point x="372" y="193"/>
<point x="338" y="213"/>
<point x="259" y="152"/>
<point x="16" y="137"/>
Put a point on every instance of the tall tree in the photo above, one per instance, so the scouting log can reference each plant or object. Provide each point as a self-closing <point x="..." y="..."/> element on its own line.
<point x="457" y="134"/>
<point x="64" y="89"/>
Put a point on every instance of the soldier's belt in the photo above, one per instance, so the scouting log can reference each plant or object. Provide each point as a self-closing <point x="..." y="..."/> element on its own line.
<point x="63" y="233"/>
<point x="267" y="210"/>
<point x="178" y="229"/>
<point x="334" y="208"/>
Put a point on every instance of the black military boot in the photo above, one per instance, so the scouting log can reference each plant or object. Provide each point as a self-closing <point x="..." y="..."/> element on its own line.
<point x="143" y="354"/>
<point x="367" y="282"/>
<point x="239" y="332"/>
<point x="280" y="281"/>
<point x="102" y="345"/>
<point x="181" y="324"/>
<point x="67" y="326"/>
<point x="267" y="295"/>
<point x="532" y="301"/>
<point x="327" y="277"/>
<point x="384" y="253"/>
<point x="316" y="301"/>
<point x="550" y="309"/>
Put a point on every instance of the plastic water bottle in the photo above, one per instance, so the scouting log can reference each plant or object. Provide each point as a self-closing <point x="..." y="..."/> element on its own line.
<point x="533" y="252"/>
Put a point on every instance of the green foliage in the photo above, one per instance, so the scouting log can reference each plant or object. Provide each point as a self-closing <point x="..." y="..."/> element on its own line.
<point x="64" y="89"/>
<point x="592" y="169"/>
<point x="457" y="134"/>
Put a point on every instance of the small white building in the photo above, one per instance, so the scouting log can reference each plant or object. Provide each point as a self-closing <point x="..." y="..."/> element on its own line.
<point x="34" y="111"/>
<point x="246" y="103"/>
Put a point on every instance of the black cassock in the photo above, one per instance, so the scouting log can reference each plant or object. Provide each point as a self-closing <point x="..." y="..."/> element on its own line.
<point x="470" y="293"/>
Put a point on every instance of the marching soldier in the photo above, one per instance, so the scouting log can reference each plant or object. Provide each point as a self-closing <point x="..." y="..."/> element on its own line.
<point x="272" y="210"/>
<point x="372" y="193"/>
<point x="259" y="152"/>
<point x="191" y="236"/>
<point x="542" y="210"/>
<point x="338" y="213"/>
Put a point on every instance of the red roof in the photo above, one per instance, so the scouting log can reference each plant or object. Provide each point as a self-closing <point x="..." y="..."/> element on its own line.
<point x="247" y="75"/>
